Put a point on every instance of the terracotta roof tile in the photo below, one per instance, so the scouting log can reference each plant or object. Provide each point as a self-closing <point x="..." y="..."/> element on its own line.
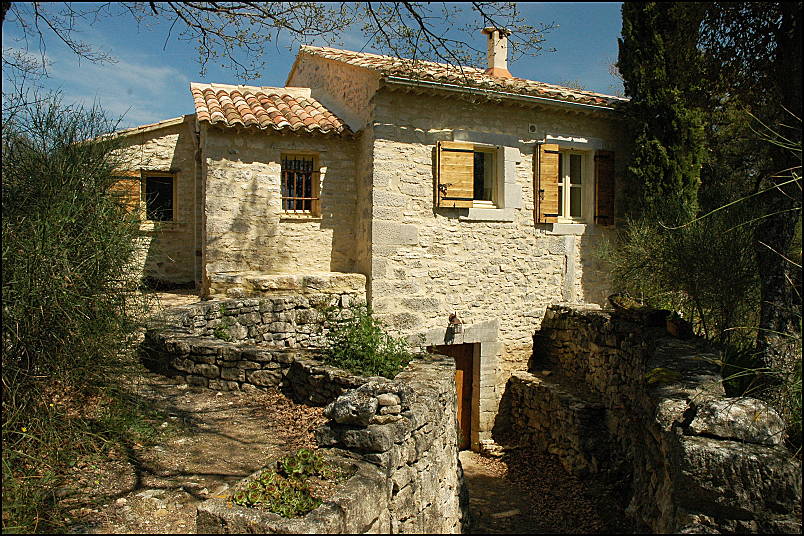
<point x="263" y="107"/>
<point x="464" y="76"/>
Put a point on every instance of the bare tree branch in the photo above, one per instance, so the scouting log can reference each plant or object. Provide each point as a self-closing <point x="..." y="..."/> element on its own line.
<point x="417" y="30"/>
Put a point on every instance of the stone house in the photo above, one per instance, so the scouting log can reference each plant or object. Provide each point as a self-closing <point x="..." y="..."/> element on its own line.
<point x="469" y="199"/>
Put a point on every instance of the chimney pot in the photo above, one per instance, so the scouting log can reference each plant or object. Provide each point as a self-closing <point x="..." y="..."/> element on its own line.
<point x="497" y="52"/>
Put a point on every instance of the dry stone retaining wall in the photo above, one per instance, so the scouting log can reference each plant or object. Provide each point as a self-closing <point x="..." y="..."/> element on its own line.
<point x="407" y="428"/>
<point x="400" y="434"/>
<point x="285" y="310"/>
<point x="612" y="394"/>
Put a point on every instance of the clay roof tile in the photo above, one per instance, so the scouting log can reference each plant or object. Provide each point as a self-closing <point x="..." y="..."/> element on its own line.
<point x="265" y="108"/>
<point x="461" y="75"/>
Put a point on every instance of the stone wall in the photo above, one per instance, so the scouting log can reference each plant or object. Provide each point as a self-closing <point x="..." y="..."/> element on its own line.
<point x="286" y="314"/>
<point x="167" y="250"/>
<point x="407" y="427"/>
<point x="346" y="512"/>
<point x="346" y="90"/>
<point x="315" y="286"/>
<point x="434" y="261"/>
<point x="228" y="366"/>
<point x="246" y="227"/>
<point x="613" y="396"/>
<point x="400" y="435"/>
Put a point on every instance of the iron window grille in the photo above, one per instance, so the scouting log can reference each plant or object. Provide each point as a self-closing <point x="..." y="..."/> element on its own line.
<point x="299" y="184"/>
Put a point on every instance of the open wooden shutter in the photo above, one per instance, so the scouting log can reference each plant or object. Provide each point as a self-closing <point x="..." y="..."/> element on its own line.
<point x="127" y="190"/>
<point x="604" y="187"/>
<point x="456" y="174"/>
<point x="546" y="191"/>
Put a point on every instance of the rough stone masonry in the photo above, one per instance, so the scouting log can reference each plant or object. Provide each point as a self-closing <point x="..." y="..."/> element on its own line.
<point x="613" y="395"/>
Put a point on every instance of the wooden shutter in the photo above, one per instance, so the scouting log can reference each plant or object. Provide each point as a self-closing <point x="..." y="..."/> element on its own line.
<point x="604" y="187"/>
<point x="546" y="191"/>
<point x="456" y="174"/>
<point x="127" y="191"/>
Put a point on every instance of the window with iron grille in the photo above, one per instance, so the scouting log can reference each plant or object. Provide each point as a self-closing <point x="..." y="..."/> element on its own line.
<point x="299" y="184"/>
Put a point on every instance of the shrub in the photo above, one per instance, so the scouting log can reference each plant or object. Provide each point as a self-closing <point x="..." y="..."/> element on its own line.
<point x="706" y="269"/>
<point x="357" y="342"/>
<point x="68" y="297"/>
<point x="290" y="490"/>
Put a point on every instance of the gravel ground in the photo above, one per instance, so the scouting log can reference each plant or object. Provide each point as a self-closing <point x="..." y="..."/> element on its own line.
<point x="215" y="440"/>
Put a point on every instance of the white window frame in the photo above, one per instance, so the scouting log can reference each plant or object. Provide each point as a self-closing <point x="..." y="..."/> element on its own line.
<point x="494" y="151"/>
<point x="586" y="187"/>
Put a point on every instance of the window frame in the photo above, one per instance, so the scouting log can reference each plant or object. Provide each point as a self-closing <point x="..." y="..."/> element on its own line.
<point x="315" y="189"/>
<point x="565" y="185"/>
<point x="507" y="192"/>
<point x="144" y="175"/>
<point x="493" y="151"/>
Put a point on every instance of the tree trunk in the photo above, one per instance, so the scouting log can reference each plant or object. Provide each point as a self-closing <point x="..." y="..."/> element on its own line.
<point x="779" y="337"/>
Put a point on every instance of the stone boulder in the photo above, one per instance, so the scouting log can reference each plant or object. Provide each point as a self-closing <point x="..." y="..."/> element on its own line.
<point x="732" y="480"/>
<point x="354" y="407"/>
<point x="740" y="419"/>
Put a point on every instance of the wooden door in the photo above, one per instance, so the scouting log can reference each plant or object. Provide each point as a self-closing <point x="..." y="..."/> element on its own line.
<point x="464" y="359"/>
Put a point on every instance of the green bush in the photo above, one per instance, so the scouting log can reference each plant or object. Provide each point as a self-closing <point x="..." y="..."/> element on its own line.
<point x="70" y="301"/>
<point x="706" y="270"/>
<point x="357" y="342"/>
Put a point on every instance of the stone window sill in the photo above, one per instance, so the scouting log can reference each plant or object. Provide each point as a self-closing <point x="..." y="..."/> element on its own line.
<point x="155" y="226"/>
<point x="290" y="218"/>
<point x="570" y="229"/>
<point x="489" y="214"/>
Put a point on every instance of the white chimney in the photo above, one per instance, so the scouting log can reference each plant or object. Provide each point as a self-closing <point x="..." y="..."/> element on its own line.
<point x="498" y="52"/>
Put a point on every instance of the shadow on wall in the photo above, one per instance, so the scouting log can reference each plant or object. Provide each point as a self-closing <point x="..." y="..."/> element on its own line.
<point x="595" y="279"/>
<point x="246" y="228"/>
<point x="168" y="251"/>
<point x="248" y="239"/>
<point x="341" y="213"/>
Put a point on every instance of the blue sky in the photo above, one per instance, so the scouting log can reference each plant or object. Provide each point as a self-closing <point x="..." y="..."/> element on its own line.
<point x="150" y="80"/>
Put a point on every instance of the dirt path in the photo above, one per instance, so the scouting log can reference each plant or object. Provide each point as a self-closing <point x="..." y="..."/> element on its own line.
<point x="524" y="493"/>
<point x="214" y="440"/>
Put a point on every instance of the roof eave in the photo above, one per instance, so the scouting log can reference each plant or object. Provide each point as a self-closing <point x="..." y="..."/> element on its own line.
<point x="150" y="127"/>
<point x="398" y="80"/>
<point x="333" y="133"/>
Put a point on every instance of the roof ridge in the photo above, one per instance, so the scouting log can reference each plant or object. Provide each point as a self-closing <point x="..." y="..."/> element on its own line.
<point x="478" y="76"/>
<point x="392" y="58"/>
<point x="295" y="91"/>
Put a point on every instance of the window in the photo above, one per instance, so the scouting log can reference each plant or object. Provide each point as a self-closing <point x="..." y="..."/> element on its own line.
<point x="159" y="197"/>
<point x="571" y="185"/>
<point x="300" y="184"/>
<point x="484" y="174"/>
<point x="467" y="175"/>
<point x="568" y="187"/>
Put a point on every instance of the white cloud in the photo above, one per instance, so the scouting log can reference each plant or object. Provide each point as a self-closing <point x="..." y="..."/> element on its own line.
<point x="139" y="92"/>
<point x="143" y="93"/>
